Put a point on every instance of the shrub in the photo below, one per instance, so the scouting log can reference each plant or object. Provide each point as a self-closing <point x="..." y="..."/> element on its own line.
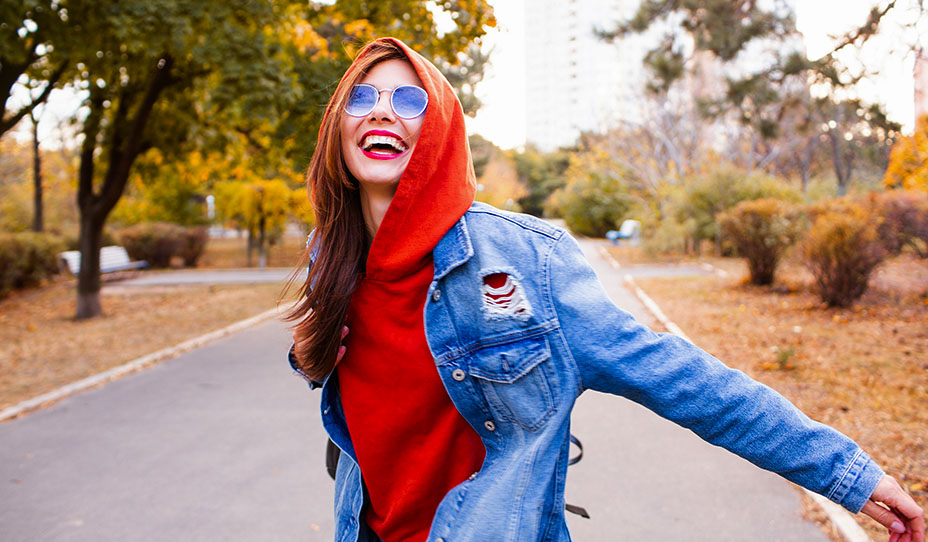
<point x="154" y="242"/>
<point x="669" y="236"/>
<point x="903" y="221"/>
<point x="194" y="244"/>
<point x="73" y="242"/>
<point x="596" y="199"/>
<point x="710" y="194"/>
<point x="842" y="205"/>
<point x="841" y="250"/>
<point x="597" y="195"/>
<point x="762" y="230"/>
<point x="26" y="259"/>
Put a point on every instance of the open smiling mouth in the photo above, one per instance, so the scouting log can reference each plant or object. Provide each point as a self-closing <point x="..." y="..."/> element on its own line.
<point x="383" y="147"/>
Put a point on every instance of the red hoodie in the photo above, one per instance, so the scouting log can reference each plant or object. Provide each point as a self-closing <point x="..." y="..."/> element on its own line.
<point x="412" y="444"/>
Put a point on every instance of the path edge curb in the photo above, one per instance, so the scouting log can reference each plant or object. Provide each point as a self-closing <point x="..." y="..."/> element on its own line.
<point x="842" y="521"/>
<point x="137" y="364"/>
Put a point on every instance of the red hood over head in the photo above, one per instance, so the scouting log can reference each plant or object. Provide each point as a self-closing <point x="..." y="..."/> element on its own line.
<point x="437" y="187"/>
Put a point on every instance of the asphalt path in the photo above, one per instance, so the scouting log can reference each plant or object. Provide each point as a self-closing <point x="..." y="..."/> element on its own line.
<point x="224" y="443"/>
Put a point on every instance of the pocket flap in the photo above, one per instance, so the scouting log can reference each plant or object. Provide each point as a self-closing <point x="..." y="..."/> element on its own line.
<point x="506" y="363"/>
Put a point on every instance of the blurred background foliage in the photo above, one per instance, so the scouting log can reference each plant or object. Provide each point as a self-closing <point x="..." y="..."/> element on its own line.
<point x="181" y="100"/>
<point x="187" y="103"/>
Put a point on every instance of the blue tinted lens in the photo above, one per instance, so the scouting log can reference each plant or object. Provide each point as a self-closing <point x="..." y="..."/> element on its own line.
<point x="361" y="100"/>
<point x="409" y="102"/>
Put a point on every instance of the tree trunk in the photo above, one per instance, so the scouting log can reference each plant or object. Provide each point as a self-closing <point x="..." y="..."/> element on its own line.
<point x="38" y="222"/>
<point x="842" y="168"/>
<point x="124" y="135"/>
<point x="262" y="254"/>
<point x="88" y="282"/>
<point x="805" y="161"/>
<point x="250" y="250"/>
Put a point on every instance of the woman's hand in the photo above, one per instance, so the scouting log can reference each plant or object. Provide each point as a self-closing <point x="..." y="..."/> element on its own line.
<point x="342" y="348"/>
<point x="894" y="509"/>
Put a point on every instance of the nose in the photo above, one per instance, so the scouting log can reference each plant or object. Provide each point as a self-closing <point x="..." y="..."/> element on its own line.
<point x="383" y="110"/>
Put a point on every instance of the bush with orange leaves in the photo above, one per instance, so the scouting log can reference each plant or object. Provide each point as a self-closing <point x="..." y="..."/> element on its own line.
<point x="841" y="250"/>
<point x="762" y="230"/>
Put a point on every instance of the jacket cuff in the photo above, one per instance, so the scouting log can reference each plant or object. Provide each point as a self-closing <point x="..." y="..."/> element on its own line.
<point x="855" y="486"/>
<point x="291" y="358"/>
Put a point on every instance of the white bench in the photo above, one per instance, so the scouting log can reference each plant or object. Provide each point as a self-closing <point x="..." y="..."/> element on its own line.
<point x="112" y="259"/>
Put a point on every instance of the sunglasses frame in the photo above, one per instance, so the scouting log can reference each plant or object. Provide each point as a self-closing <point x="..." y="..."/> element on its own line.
<point x="392" y="93"/>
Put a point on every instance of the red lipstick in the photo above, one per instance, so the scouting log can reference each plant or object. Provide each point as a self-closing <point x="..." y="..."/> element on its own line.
<point x="382" y="155"/>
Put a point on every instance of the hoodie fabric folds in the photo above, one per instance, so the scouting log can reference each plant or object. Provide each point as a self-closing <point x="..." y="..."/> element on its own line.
<point x="411" y="443"/>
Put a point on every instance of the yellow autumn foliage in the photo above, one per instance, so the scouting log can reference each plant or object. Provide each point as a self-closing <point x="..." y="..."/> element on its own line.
<point x="258" y="206"/>
<point x="908" y="161"/>
<point x="499" y="185"/>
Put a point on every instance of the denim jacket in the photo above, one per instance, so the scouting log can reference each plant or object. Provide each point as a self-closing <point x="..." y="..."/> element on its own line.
<point x="515" y="358"/>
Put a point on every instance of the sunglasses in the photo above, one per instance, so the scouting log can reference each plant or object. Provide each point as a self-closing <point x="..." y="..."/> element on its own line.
<point x="407" y="101"/>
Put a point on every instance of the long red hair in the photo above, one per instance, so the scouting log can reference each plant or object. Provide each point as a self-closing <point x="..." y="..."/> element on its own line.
<point x="339" y="243"/>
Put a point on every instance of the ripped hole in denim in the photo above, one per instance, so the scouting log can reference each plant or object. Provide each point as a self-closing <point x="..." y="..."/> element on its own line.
<point x="504" y="297"/>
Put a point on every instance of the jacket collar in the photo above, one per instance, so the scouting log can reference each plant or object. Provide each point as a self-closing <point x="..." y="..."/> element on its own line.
<point x="453" y="249"/>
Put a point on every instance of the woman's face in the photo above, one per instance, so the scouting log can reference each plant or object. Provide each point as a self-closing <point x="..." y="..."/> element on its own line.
<point x="377" y="147"/>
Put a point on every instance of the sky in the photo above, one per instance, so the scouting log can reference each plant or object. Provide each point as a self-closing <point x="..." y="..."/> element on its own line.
<point x="502" y="117"/>
<point x="502" y="91"/>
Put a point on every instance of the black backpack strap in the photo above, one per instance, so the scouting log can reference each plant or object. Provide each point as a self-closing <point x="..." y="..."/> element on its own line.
<point x="579" y="510"/>
<point x="572" y="508"/>
<point x="332" y="453"/>
<point x="576" y="459"/>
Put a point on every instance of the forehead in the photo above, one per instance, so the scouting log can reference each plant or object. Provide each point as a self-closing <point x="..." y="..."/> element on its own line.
<point x="391" y="74"/>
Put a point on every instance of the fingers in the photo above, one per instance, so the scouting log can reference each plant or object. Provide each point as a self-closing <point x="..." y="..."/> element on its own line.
<point x="884" y="517"/>
<point x="901" y="514"/>
<point x="917" y="525"/>
<point x="342" y="349"/>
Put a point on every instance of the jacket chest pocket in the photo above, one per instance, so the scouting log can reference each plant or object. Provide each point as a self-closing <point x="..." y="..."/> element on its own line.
<point x="514" y="379"/>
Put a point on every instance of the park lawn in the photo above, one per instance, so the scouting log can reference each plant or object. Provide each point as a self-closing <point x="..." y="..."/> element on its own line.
<point x="42" y="347"/>
<point x="862" y="370"/>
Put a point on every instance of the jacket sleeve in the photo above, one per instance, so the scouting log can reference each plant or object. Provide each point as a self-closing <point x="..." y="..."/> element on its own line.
<point x="681" y="382"/>
<point x="291" y="356"/>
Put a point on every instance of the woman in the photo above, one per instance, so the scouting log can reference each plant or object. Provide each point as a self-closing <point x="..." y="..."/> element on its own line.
<point x="473" y="331"/>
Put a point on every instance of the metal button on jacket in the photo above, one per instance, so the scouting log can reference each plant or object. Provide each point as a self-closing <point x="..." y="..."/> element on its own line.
<point x="458" y="375"/>
<point x="436" y="295"/>
<point x="489" y="425"/>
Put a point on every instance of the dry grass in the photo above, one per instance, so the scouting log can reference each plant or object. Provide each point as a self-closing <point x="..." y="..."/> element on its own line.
<point x="43" y="347"/>
<point x="862" y="370"/>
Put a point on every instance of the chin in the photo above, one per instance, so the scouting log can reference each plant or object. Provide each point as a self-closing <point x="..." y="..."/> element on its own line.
<point x="383" y="173"/>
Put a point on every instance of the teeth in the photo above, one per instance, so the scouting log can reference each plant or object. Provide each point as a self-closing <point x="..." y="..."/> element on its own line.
<point x="372" y="140"/>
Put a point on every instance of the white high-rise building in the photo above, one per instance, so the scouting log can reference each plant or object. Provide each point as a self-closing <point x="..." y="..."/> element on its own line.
<point x="920" y="74"/>
<point x="576" y="81"/>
